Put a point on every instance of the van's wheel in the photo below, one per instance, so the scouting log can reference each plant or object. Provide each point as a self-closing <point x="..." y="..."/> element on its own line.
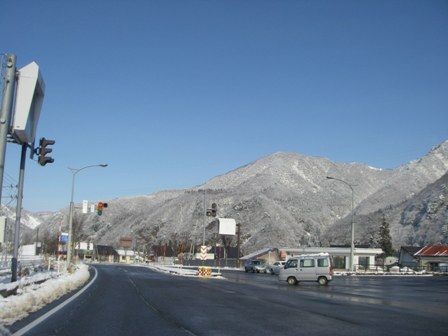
<point x="292" y="281"/>
<point x="322" y="281"/>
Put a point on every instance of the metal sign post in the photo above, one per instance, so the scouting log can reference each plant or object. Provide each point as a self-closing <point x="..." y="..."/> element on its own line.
<point x="6" y="110"/>
<point x="18" y="215"/>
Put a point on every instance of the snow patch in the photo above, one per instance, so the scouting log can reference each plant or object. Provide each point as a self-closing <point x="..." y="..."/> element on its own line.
<point x="34" y="297"/>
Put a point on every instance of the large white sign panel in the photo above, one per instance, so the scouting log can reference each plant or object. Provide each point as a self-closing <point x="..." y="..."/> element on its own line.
<point x="85" y="205"/>
<point x="227" y="226"/>
<point x="28" y="103"/>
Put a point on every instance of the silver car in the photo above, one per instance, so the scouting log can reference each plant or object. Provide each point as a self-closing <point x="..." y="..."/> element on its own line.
<point x="253" y="266"/>
<point x="275" y="268"/>
<point x="311" y="267"/>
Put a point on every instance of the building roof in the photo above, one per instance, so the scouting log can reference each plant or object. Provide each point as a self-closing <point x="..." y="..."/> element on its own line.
<point x="123" y="253"/>
<point x="259" y="253"/>
<point x="411" y="249"/>
<point x="433" y="251"/>
<point x="333" y="250"/>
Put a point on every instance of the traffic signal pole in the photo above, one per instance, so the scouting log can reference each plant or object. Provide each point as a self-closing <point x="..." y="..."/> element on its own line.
<point x="6" y="110"/>
<point x="15" y="254"/>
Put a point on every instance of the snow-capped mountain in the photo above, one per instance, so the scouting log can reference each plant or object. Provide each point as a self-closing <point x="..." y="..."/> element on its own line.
<point x="28" y="219"/>
<point x="283" y="199"/>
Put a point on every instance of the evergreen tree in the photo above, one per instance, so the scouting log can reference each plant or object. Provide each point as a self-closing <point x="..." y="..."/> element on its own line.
<point x="385" y="238"/>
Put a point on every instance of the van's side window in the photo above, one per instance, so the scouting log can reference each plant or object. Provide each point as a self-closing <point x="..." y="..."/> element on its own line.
<point x="307" y="263"/>
<point x="292" y="263"/>
<point x="322" y="262"/>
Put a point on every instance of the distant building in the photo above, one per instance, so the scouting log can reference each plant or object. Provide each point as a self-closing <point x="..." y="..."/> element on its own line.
<point x="270" y="255"/>
<point x="407" y="256"/>
<point x="126" y="256"/>
<point x="433" y="257"/>
<point x="105" y="253"/>
<point x="364" y="256"/>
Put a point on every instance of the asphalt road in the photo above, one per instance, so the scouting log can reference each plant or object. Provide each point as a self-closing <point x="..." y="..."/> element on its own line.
<point x="129" y="300"/>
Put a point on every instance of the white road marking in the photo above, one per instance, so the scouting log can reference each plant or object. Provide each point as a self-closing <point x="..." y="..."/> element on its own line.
<point x="55" y="309"/>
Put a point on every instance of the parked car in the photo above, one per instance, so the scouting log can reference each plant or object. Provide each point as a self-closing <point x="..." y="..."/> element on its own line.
<point x="311" y="267"/>
<point x="253" y="266"/>
<point x="275" y="268"/>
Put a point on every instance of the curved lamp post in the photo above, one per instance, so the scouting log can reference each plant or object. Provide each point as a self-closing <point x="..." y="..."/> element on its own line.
<point x="74" y="171"/>
<point x="352" y="247"/>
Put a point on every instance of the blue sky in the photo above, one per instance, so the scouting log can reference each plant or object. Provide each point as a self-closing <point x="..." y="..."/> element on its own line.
<point x="172" y="93"/>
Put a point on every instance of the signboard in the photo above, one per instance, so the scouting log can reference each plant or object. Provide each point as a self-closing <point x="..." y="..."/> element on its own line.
<point x="227" y="226"/>
<point x="28" y="103"/>
<point x="92" y="208"/>
<point x="63" y="238"/>
<point x="126" y="242"/>
<point x="85" y="205"/>
<point x="203" y="252"/>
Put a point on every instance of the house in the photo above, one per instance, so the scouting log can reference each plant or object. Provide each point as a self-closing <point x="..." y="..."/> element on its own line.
<point x="105" y="253"/>
<point x="407" y="256"/>
<point x="126" y="256"/>
<point x="433" y="258"/>
<point x="84" y="250"/>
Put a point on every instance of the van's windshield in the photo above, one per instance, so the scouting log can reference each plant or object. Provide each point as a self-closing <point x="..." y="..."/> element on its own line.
<point x="291" y="263"/>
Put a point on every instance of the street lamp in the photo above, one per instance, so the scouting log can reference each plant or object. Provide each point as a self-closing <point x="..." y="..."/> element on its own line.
<point x="352" y="247"/>
<point x="75" y="171"/>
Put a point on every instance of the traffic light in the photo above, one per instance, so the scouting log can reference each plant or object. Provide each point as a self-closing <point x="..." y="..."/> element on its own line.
<point x="212" y="212"/>
<point x="99" y="208"/>
<point x="44" y="150"/>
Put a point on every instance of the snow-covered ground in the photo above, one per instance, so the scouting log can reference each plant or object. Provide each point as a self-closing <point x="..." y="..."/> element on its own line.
<point x="179" y="270"/>
<point x="33" y="297"/>
<point x="25" y="281"/>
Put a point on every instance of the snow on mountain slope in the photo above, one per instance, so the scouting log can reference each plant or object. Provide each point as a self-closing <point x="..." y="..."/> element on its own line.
<point x="281" y="199"/>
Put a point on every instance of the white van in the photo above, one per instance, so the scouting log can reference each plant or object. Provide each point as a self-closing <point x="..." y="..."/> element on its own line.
<point x="309" y="267"/>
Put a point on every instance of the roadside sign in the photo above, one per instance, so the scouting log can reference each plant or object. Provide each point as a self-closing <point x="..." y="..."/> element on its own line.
<point x="203" y="252"/>
<point x="63" y="238"/>
<point x="92" y="208"/>
<point x="28" y="103"/>
<point x="227" y="226"/>
<point x="85" y="205"/>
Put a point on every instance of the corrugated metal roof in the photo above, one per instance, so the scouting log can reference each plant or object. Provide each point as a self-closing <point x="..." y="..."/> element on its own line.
<point x="433" y="251"/>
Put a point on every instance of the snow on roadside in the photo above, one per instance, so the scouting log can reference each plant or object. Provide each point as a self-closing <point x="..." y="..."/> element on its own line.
<point x="177" y="270"/>
<point x="24" y="281"/>
<point x="34" y="297"/>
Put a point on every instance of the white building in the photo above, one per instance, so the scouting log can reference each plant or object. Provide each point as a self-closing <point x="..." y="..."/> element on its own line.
<point x="363" y="258"/>
<point x="126" y="256"/>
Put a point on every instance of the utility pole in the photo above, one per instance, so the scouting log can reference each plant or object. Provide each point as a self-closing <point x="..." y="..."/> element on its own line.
<point x="352" y="241"/>
<point x="6" y="110"/>
<point x="18" y="214"/>
<point x="205" y="217"/>
<point x="238" y="236"/>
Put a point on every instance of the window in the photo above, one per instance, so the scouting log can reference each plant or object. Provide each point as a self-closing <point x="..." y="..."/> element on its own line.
<point x="307" y="263"/>
<point x="291" y="263"/>
<point x="364" y="262"/>
<point x="339" y="262"/>
<point x="322" y="262"/>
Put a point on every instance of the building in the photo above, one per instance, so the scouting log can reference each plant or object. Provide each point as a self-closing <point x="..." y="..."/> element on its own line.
<point x="407" y="256"/>
<point x="433" y="258"/>
<point x="364" y="257"/>
<point x="126" y="256"/>
<point x="105" y="253"/>
<point x="269" y="255"/>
